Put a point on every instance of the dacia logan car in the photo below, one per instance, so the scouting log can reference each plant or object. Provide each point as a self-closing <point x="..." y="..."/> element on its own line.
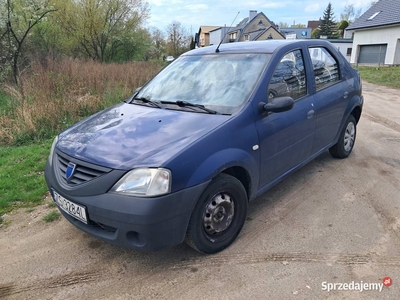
<point x="182" y="158"/>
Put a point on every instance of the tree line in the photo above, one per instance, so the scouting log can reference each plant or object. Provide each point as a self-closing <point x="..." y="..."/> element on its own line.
<point x="100" y="30"/>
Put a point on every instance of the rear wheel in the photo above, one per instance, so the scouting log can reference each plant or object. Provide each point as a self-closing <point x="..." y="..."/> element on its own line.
<point x="346" y="141"/>
<point x="219" y="215"/>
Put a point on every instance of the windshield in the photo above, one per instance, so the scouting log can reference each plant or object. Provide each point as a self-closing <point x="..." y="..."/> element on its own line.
<point x="221" y="82"/>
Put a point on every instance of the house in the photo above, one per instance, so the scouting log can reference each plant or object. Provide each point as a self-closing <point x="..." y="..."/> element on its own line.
<point x="218" y="34"/>
<point x="313" y="24"/>
<point x="296" y="33"/>
<point x="377" y="34"/>
<point x="256" y="27"/>
<point x="203" y="36"/>
<point x="345" y="46"/>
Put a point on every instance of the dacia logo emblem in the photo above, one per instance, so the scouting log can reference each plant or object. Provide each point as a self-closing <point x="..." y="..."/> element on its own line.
<point x="70" y="170"/>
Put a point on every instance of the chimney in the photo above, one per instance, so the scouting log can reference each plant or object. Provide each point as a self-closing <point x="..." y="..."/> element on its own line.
<point x="252" y="14"/>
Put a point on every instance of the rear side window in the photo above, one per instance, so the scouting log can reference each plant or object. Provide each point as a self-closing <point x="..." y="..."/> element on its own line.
<point x="289" y="77"/>
<point x="326" y="69"/>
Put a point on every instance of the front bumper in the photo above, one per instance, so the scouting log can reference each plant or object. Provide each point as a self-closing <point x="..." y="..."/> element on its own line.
<point x="146" y="224"/>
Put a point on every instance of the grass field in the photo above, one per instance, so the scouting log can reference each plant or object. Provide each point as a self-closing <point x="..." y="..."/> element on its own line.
<point x="21" y="175"/>
<point x="387" y="76"/>
<point x="54" y="95"/>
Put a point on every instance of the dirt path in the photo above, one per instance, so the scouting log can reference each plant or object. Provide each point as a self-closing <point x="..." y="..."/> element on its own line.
<point x="332" y="221"/>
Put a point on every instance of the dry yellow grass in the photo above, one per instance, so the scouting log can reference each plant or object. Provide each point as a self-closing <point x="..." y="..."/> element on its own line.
<point x="55" y="94"/>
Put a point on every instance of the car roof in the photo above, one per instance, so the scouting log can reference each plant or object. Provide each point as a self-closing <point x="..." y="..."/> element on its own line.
<point x="268" y="46"/>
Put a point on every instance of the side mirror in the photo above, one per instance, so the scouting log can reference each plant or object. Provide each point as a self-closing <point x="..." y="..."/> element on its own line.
<point x="276" y="105"/>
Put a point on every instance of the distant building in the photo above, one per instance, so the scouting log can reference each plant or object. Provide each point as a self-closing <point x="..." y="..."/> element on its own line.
<point x="345" y="46"/>
<point x="377" y="34"/>
<point x="218" y="34"/>
<point x="313" y="24"/>
<point x="300" y="33"/>
<point x="256" y="27"/>
<point x="203" y="36"/>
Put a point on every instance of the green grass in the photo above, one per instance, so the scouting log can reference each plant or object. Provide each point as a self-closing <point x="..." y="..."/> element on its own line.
<point x="6" y="103"/>
<point x="51" y="216"/>
<point x="4" y="223"/>
<point x="21" y="175"/>
<point x="387" y="76"/>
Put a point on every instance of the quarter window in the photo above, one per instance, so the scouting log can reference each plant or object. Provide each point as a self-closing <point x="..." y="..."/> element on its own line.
<point x="289" y="77"/>
<point x="325" y="67"/>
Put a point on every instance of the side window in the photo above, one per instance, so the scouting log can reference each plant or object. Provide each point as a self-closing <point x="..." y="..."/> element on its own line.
<point x="289" y="77"/>
<point x="325" y="67"/>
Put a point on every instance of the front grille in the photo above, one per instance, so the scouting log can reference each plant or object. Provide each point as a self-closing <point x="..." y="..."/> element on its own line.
<point x="103" y="226"/>
<point x="84" y="171"/>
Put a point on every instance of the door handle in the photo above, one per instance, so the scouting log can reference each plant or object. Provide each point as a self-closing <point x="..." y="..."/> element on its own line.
<point x="310" y="114"/>
<point x="345" y="95"/>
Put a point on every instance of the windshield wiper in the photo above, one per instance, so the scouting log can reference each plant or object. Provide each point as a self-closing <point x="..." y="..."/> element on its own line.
<point x="146" y="100"/>
<point x="182" y="103"/>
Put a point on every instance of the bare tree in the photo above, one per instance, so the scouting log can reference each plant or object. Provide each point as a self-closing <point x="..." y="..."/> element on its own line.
<point x="283" y="25"/>
<point x="158" y="43"/>
<point x="178" y="40"/>
<point x="349" y="13"/>
<point x="372" y="3"/>
<point x="20" y="17"/>
<point x="299" y="25"/>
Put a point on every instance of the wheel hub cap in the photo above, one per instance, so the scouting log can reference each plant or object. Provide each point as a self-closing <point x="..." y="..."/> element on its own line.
<point x="349" y="136"/>
<point x="219" y="214"/>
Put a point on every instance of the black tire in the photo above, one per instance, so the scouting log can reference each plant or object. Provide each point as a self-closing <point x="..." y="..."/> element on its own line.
<point x="346" y="141"/>
<point x="212" y="226"/>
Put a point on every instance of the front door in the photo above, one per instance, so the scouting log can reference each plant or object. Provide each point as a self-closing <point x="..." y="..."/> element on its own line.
<point x="286" y="138"/>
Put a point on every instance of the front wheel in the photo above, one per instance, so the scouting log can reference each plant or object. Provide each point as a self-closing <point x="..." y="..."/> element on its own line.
<point x="218" y="216"/>
<point x="346" y="141"/>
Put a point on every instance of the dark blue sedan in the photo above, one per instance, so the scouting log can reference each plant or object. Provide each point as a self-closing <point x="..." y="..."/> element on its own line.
<point x="182" y="158"/>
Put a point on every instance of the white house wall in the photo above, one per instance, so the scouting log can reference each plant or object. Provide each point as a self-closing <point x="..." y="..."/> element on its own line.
<point x="343" y="48"/>
<point x="215" y="36"/>
<point x="384" y="35"/>
<point x="396" y="60"/>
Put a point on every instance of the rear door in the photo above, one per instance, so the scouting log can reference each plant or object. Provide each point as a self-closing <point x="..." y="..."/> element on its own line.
<point x="331" y="96"/>
<point x="286" y="138"/>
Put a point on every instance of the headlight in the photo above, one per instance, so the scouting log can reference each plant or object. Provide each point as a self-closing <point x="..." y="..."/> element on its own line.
<point x="53" y="146"/>
<point x="144" y="182"/>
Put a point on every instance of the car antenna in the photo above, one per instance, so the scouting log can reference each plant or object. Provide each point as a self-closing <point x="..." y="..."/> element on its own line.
<point x="217" y="50"/>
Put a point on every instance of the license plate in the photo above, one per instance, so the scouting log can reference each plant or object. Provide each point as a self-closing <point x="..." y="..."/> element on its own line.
<point x="71" y="208"/>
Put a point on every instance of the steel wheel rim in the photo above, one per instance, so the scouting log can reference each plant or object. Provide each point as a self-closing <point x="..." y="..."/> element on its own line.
<point x="218" y="214"/>
<point x="349" y="136"/>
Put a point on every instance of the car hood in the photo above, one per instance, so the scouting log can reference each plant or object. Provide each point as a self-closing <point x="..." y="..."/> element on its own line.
<point x="128" y="135"/>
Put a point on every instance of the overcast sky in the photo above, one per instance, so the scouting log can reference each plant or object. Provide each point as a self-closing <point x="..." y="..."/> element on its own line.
<point x="195" y="13"/>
